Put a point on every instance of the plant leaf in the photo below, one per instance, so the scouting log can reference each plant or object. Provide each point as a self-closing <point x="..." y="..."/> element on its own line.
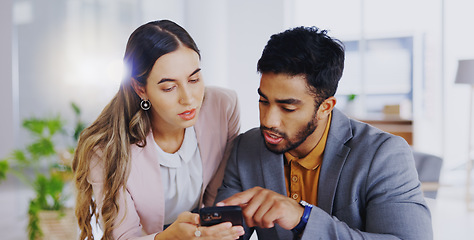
<point x="42" y="147"/>
<point x="351" y="97"/>
<point x="77" y="132"/>
<point x="76" y="108"/>
<point x="54" y="125"/>
<point x="3" y="169"/>
<point x="19" y="156"/>
<point x="35" y="125"/>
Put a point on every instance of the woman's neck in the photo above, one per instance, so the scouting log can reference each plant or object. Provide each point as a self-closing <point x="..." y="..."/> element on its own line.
<point x="169" y="140"/>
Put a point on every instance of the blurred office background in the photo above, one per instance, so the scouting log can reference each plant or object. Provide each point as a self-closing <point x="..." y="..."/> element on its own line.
<point x="401" y="65"/>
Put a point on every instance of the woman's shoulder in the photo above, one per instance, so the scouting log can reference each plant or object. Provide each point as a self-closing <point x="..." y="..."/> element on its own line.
<point x="220" y="101"/>
<point x="214" y="93"/>
<point x="220" y="106"/>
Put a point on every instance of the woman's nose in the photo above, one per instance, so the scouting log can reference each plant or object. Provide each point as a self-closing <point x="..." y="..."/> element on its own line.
<point x="185" y="96"/>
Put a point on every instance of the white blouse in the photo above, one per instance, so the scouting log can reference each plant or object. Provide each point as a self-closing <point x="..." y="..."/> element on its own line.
<point x="181" y="173"/>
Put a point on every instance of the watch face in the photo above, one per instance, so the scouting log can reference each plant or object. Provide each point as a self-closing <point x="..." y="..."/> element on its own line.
<point x="304" y="204"/>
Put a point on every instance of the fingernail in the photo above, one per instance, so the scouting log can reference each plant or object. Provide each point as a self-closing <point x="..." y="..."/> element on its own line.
<point x="220" y="204"/>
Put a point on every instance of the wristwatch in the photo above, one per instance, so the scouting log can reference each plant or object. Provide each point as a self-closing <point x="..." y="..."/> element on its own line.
<point x="304" y="219"/>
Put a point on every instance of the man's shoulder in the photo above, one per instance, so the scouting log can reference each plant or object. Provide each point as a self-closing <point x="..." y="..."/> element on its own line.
<point x="348" y="131"/>
<point x="251" y="136"/>
<point x="363" y="132"/>
<point x="360" y="135"/>
<point x="252" y="133"/>
<point x="250" y="140"/>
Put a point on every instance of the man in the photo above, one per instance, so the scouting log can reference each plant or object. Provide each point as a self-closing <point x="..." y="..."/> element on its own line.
<point x="310" y="172"/>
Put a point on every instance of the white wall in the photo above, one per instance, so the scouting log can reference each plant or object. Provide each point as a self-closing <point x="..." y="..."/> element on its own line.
<point x="151" y="10"/>
<point x="459" y="39"/>
<point x="7" y="96"/>
<point x="231" y="36"/>
<point x="207" y="22"/>
<point x="251" y="24"/>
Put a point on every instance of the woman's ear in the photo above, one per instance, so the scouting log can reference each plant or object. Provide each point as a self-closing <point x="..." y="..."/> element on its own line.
<point x="140" y="90"/>
<point x="326" y="107"/>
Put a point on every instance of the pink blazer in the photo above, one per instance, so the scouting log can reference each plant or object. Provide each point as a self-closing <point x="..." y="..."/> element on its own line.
<point x="143" y="202"/>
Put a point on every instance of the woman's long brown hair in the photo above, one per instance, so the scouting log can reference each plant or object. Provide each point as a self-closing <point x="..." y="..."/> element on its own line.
<point x="120" y="124"/>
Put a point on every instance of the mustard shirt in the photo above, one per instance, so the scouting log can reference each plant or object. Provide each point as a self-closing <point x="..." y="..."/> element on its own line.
<point x="302" y="174"/>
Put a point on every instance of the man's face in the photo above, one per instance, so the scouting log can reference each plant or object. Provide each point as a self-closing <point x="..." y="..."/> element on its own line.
<point x="288" y="115"/>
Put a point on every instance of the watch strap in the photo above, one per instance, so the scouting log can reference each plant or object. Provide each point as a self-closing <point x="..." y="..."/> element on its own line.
<point x="304" y="218"/>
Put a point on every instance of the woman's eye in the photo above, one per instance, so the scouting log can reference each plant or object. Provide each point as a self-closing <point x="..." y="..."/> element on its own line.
<point x="288" y="109"/>
<point x="263" y="101"/>
<point x="169" y="89"/>
<point x="194" y="80"/>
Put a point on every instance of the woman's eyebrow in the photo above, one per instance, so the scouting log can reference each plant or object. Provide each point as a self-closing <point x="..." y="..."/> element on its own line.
<point x="195" y="71"/>
<point x="172" y="80"/>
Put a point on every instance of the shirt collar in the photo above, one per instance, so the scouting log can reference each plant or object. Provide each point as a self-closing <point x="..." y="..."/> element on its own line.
<point x="184" y="153"/>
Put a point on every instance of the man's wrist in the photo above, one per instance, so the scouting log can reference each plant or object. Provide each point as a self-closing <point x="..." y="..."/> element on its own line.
<point x="304" y="218"/>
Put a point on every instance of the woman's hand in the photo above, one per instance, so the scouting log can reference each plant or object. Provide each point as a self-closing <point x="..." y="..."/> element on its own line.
<point x="187" y="225"/>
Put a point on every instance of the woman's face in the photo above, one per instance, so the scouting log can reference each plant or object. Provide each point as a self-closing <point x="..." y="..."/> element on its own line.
<point x="175" y="89"/>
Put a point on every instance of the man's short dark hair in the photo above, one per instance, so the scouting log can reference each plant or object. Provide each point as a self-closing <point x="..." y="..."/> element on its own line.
<point x="309" y="52"/>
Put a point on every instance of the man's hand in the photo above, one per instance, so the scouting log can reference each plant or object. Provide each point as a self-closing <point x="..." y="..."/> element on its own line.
<point x="263" y="208"/>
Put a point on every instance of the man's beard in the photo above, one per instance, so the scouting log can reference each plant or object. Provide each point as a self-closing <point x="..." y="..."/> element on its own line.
<point x="291" y="144"/>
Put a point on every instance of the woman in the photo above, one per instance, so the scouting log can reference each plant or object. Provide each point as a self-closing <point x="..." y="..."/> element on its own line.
<point x="157" y="150"/>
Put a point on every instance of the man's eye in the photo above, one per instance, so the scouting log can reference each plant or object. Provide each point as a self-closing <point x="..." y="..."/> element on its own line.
<point x="263" y="101"/>
<point x="288" y="109"/>
<point x="194" y="80"/>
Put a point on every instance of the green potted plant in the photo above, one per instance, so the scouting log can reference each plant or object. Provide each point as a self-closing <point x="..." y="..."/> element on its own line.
<point x="43" y="167"/>
<point x="352" y="106"/>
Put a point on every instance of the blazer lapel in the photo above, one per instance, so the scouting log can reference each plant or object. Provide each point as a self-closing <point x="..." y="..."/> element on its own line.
<point x="274" y="179"/>
<point x="272" y="170"/>
<point x="334" y="158"/>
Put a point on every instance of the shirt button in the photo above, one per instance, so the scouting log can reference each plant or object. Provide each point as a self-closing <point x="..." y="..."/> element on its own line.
<point x="295" y="196"/>
<point x="294" y="179"/>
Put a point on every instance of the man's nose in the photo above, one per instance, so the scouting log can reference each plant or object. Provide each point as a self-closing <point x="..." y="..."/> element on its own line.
<point x="270" y="117"/>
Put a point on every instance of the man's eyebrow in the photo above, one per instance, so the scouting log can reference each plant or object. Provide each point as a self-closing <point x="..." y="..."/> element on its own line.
<point x="172" y="80"/>
<point x="292" y="101"/>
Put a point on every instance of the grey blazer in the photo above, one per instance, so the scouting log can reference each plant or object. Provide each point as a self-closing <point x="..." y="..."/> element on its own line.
<point x="368" y="186"/>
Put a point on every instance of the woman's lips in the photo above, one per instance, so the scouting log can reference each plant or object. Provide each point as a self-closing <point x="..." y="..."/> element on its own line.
<point x="272" y="138"/>
<point x="188" y="115"/>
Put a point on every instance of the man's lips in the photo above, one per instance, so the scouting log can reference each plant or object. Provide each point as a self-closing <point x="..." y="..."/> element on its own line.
<point x="272" y="138"/>
<point x="188" y="115"/>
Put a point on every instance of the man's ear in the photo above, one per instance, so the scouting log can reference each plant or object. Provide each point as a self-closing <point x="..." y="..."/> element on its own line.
<point x="326" y="107"/>
<point x="140" y="90"/>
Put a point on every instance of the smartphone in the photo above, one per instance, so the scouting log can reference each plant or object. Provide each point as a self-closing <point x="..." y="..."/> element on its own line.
<point x="215" y="215"/>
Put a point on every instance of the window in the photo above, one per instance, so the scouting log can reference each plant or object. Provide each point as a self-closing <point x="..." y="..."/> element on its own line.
<point x="387" y="76"/>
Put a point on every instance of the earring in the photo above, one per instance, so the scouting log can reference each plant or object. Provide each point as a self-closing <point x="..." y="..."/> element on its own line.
<point x="145" y="104"/>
